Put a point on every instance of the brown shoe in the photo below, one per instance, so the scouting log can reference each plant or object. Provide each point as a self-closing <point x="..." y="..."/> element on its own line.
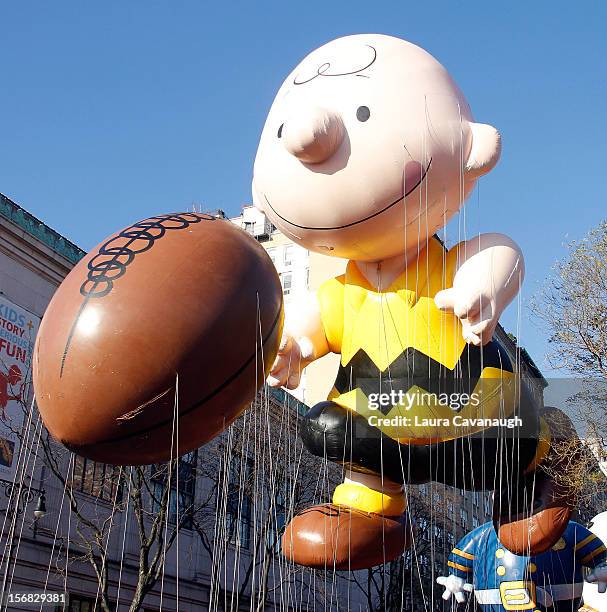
<point x="533" y="518"/>
<point x="526" y="532"/>
<point x="337" y="537"/>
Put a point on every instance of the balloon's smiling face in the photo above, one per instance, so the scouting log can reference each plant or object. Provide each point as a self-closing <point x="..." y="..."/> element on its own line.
<point x="368" y="149"/>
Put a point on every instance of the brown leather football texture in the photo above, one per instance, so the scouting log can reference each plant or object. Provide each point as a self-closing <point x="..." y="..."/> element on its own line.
<point x="176" y="314"/>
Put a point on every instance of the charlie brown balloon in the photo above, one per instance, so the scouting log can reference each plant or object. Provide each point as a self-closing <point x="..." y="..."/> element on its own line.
<point x="367" y="151"/>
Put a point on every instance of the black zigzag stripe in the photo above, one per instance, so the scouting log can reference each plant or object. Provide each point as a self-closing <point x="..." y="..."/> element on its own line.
<point x="414" y="368"/>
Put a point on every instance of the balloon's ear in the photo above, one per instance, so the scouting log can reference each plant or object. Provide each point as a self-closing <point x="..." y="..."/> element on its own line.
<point x="485" y="151"/>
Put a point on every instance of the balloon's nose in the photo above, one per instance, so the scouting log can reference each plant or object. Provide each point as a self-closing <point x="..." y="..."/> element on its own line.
<point x="313" y="134"/>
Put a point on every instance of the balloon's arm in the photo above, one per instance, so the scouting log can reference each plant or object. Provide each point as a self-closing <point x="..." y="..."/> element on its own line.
<point x="489" y="271"/>
<point x="303" y="341"/>
<point x="455" y="586"/>
<point x="304" y="324"/>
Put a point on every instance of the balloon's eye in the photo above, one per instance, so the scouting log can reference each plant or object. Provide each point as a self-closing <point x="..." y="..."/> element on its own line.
<point x="363" y="113"/>
<point x="280" y="130"/>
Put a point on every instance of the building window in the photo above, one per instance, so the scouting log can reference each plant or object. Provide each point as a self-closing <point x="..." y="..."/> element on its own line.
<point x="475" y="522"/>
<point x="287" y="280"/>
<point x="288" y="255"/>
<point x="249" y="227"/>
<point x="100" y="480"/>
<point x="272" y="254"/>
<point x="238" y="503"/>
<point x="407" y="559"/>
<point x="438" y="535"/>
<point x="464" y="517"/>
<point x="183" y="485"/>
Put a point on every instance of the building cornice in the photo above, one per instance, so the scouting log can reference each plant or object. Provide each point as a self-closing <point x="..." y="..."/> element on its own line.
<point x="35" y="228"/>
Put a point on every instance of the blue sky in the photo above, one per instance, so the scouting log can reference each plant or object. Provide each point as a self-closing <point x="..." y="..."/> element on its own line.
<point x="114" y="111"/>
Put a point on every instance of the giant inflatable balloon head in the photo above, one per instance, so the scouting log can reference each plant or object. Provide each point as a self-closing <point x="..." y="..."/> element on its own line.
<point x="369" y="147"/>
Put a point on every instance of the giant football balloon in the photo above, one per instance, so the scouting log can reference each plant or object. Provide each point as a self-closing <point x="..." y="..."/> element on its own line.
<point x="177" y="314"/>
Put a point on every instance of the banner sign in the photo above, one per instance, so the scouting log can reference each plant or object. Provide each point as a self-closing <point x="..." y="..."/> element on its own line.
<point x="18" y="329"/>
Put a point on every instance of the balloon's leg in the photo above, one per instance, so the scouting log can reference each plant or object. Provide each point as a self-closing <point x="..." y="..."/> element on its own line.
<point x="531" y="517"/>
<point x="366" y="524"/>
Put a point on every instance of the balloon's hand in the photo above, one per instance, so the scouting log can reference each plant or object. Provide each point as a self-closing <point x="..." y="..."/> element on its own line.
<point x="292" y="357"/>
<point x="454" y="586"/>
<point x="489" y="271"/>
<point x="598" y="576"/>
<point x="476" y="311"/>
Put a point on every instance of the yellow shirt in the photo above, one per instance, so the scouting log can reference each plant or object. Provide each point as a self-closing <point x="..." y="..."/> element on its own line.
<point x="397" y="339"/>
